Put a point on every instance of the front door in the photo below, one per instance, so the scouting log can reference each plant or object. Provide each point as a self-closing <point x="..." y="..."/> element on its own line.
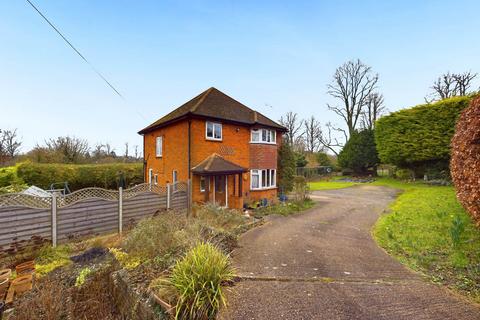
<point x="220" y="191"/>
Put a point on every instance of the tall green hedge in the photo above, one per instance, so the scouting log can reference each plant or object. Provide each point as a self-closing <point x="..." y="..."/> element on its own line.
<point x="80" y="176"/>
<point x="419" y="137"/>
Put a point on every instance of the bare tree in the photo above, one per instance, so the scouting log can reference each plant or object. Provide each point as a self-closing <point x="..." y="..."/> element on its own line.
<point x="374" y="108"/>
<point x="328" y="141"/>
<point x="136" y="152"/>
<point x="312" y="133"/>
<point x="451" y="85"/>
<point x="445" y="86"/>
<point x="126" y="150"/>
<point x="72" y="148"/>
<point x="3" y="152"/>
<point x="293" y="125"/>
<point x="464" y="81"/>
<point x="9" y="144"/>
<point x="353" y="82"/>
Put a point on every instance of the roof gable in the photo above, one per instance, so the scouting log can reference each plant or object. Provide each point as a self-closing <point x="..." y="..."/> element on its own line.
<point x="215" y="104"/>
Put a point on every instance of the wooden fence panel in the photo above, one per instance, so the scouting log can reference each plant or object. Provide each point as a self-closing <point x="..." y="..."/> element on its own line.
<point x="27" y="220"/>
<point x="143" y="205"/>
<point x="179" y="200"/>
<point x="92" y="216"/>
<point x="19" y="224"/>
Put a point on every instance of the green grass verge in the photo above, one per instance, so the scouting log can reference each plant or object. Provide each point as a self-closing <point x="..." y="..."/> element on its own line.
<point x="429" y="231"/>
<point x="329" y="185"/>
<point x="284" y="209"/>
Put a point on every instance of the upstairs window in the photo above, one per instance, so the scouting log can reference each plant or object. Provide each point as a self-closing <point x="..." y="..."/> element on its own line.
<point x="213" y="131"/>
<point x="159" y="147"/>
<point x="263" y="136"/>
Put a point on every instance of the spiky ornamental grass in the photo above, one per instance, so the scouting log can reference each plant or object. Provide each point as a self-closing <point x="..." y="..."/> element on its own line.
<point x="197" y="280"/>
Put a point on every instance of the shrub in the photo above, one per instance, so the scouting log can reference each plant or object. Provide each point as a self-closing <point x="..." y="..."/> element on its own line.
<point x="80" y="176"/>
<point x="359" y="153"/>
<point x="158" y="236"/>
<point x="82" y="276"/>
<point x="218" y="217"/>
<point x="419" y="137"/>
<point x="323" y="159"/>
<point x="300" y="188"/>
<point x="196" y="281"/>
<point x="286" y="168"/>
<point x="8" y="176"/>
<point x="300" y="159"/>
<point x="465" y="164"/>
<point x="404" y="174"/>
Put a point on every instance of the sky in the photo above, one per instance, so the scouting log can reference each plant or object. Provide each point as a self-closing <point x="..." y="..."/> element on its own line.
<point x="273" y="56"/>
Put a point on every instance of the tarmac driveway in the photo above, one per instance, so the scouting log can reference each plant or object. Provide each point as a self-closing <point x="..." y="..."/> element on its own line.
<point x="324" y="264"/>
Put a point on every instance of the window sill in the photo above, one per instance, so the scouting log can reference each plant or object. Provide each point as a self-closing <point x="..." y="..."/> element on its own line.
<point x="261" y="142"/>
<point x="214" y="140"/>
<point x="263" y="189"/>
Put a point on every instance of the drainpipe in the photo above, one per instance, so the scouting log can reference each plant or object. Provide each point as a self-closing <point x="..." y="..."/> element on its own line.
<point x="189" y="200"/>
<point x="144" y="161"/>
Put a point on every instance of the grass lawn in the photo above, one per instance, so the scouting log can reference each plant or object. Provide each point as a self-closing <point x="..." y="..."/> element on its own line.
<point x="429" y="231"/>
<point x="329" y="185"/>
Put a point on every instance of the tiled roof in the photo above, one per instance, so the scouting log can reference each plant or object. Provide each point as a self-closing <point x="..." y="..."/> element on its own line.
<point x="213" y="103"/>
<point x="216" y="164"/>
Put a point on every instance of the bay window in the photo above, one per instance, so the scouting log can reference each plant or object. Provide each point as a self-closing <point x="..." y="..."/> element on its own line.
<point x="263" y="136"/>
<point x="262" y="179"/>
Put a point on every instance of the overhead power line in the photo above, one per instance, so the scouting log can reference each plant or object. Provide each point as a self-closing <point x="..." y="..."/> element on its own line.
<point x="75" y="49"/>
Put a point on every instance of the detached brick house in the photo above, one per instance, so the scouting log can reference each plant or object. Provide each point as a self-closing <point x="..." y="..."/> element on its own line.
<point x="228" y="150"/>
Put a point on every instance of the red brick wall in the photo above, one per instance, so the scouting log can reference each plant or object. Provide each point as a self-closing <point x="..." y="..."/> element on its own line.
<point x="175" y="152"/>
<point x="235" y="146"/>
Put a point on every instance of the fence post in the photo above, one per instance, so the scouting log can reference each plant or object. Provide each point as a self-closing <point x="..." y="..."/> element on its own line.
<point x="120" y="210"/>
<point x="168" y="195"/>
<point x="54" y="219"/>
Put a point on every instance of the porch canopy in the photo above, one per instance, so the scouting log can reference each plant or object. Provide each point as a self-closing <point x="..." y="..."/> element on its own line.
<point x="215" y="165"/>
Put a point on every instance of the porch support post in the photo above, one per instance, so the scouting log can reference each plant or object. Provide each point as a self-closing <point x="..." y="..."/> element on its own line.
<point x="240" y="182"/>
<point x="207" y="188"/>
<point x="214" y="190"/>
<point x="226" y="191"/>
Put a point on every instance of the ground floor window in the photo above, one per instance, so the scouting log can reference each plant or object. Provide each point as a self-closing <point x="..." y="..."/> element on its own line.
<point x="262" y="179"/>
<point x="202" y="184"/>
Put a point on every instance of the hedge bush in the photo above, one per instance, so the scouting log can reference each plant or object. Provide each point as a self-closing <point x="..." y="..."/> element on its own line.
<point x="419" y="138"/>
<point x="465" y="164"/>
<point x="359" y="153"/>
<point x="80" y="176"/>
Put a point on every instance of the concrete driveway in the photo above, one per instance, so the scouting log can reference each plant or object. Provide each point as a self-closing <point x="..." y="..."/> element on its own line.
<point x="324" y="264"/>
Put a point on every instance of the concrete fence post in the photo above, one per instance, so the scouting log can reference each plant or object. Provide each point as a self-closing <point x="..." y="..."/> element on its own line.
<point x="120" y="210"/>
<point x="54" y="220"/>
<point x="168" y="195"/>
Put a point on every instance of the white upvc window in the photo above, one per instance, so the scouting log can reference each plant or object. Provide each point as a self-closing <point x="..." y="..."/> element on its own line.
<point x="263" y="136"/>
<point x="159" y="147"/>
<point x="202" y="184"/>
<point x="263" y="179"/>
<point x="150" y="176"/>
<point x="213" y="131"/>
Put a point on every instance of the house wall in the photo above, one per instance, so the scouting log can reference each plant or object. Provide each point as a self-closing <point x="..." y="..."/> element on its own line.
<point x="175" y="152"/>
<point x="235" y="146"/>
